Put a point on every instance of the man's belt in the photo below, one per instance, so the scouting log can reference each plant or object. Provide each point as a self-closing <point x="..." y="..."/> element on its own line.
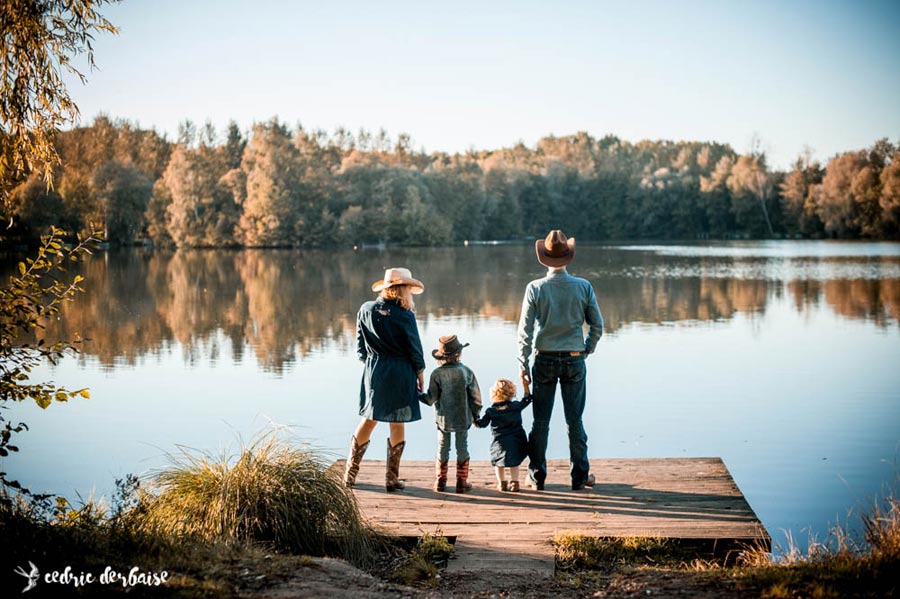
<point x="544" y="352"/>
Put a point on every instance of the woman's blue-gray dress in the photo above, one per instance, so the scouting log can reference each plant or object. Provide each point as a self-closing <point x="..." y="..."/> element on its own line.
<point x="509" y="445"/>
<point x="387" y="340"/>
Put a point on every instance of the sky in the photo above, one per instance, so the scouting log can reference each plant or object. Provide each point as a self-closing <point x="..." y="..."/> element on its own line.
<point x="485" y="75"/>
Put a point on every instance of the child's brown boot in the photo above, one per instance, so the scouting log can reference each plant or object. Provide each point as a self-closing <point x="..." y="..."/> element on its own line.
<point x="513" y="486"/>
<point x="502" y="486"/>
<point x="462" y="477"/>
<point x="440" y="485"/>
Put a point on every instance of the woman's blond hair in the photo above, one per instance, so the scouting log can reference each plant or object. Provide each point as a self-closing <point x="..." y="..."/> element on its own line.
<point x="503" y="390"/>
<point x="402" y="294"/>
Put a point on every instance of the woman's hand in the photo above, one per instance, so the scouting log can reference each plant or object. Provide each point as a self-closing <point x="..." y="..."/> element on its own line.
<point x="420" y="381"/>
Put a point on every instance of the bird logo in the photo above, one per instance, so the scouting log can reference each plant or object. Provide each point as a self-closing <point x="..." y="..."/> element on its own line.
<point x="31" y="576"/>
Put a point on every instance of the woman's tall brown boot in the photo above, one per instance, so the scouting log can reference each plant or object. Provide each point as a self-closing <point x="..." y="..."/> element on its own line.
<point x="441" y="468"/>
<point x="392" y="480"/>
<point x="462" y="477"/>
<point x="356" y="455"/>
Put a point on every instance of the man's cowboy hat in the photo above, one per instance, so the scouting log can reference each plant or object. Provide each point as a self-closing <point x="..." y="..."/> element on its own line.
<point x="555" y="250"/>
<point x="449" y="346"/>
<point x="398" y="276"/>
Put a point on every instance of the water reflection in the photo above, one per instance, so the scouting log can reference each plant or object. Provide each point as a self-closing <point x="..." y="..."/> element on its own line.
<point x="285" y="304"/>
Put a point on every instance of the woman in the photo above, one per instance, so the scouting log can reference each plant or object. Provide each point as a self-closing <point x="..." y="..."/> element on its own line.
<point x="387" y="340"/>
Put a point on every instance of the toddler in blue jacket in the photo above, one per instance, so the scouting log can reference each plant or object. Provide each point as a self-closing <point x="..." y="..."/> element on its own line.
<point x="509" y="444"/>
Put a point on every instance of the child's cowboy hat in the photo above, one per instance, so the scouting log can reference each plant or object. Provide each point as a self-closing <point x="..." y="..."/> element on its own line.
<point x="555" y="250"/>
<point x="450" y="346"/>
<point x="398" y="276"/>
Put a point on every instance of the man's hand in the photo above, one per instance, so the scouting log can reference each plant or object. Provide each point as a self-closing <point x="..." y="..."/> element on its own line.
<point x="526" y="382"/>
<point x="420" y="381"/>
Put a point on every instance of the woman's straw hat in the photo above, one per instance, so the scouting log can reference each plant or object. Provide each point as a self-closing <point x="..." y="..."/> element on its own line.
<point x="555" y="250"/>
<point x="398" y="276"/>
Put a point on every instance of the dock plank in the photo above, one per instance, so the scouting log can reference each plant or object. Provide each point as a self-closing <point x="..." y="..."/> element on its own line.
<point x="678" y="498"/>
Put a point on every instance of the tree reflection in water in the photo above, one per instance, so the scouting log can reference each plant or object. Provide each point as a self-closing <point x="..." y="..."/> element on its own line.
<point x="284" y="304"/>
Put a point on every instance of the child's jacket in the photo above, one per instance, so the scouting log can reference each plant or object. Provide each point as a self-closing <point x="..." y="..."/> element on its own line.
<point x="453" y="391"/>
<point x="509" y="445"/>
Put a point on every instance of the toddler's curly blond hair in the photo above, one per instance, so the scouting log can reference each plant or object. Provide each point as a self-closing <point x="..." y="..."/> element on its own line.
<point x="503" y="390"/>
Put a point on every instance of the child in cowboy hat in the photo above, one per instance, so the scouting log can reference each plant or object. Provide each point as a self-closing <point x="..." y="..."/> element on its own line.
<point x="509" y="445"/>
<point x="453" y="391"/>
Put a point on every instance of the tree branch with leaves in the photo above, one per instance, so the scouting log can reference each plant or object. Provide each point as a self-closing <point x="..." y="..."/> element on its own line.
<point x="40" y="40"/>
<point x="34" y="294"/>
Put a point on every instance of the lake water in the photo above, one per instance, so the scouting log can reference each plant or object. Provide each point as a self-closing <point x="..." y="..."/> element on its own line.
<point x="783" y="358"/>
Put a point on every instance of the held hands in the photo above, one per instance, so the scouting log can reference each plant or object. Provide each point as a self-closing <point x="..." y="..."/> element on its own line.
<point x="526" y="382"/>
<point x="420" y="381"/>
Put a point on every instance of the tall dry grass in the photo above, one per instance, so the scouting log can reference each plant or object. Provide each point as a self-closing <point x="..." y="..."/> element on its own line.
<point x="270" y="492"/>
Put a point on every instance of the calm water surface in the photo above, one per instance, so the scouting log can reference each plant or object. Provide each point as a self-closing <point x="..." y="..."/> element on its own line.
<point x="783" y="358"/>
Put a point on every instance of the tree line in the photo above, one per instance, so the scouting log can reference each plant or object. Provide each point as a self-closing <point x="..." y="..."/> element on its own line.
<point x="279" y="186"/>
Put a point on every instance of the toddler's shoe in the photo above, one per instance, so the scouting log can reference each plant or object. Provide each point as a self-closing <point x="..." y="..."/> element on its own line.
<point x="503" y="486"/>
<point x="513" y="486"/>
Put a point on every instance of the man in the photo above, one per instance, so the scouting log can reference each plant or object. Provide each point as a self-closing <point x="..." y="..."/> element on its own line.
<point x="559" y="305"/>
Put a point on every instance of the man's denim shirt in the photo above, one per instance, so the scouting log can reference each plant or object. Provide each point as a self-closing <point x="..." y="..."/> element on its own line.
<point x="560" y="305"/>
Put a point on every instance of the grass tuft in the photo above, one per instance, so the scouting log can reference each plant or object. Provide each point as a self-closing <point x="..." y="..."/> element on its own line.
<point x="270" y="493"/>
<point x="425" y="562"/>
<point x="577" y="551"/>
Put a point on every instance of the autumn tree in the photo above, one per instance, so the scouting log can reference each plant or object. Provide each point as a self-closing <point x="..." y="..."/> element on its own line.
<point x="123" y="191"/>
<point x="35" y="208"/>
<point x="835" y="197"/>
<point x="40" y="40"/>
<point x="890" y="195"/>
<point x="201" y="211"/>
<point x="751" y="188"/>
<point x="715" y="198"/>
<point x="797" y="190"/>
<point x="271" y="205"/>
<point x="157" y="214"/>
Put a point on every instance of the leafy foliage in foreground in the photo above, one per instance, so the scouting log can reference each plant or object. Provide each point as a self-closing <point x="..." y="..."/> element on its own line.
<point x="32" y="296"/>
<point x="40" y="39"/>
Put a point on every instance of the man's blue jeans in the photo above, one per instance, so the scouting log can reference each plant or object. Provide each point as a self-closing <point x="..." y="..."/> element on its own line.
<point x="570" y="372"/>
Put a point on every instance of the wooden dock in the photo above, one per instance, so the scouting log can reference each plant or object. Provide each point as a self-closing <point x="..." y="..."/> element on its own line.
<point x="689" y="499"/>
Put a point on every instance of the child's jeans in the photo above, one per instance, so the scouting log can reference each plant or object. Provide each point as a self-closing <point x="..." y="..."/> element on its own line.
<point x="462" y="446"/>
